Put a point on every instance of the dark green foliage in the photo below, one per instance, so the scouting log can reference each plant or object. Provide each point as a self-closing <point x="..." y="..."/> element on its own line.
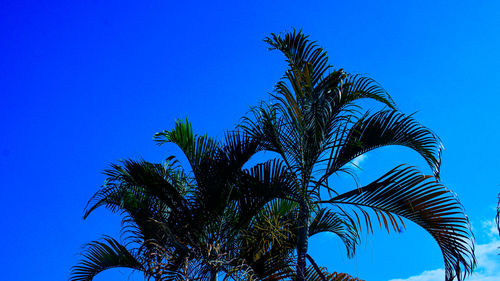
<point x="215" y="217"/>
<point x="387" y="128"/>
<point x="200" y="221"/>
<point x="315" y="124"/>
<point x="405" y="192"/>
<point x="102" y="255"/>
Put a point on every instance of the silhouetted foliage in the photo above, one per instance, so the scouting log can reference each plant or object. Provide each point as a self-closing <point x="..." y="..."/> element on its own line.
<point x="215" y="217"/>
<point x="316" y="126"/>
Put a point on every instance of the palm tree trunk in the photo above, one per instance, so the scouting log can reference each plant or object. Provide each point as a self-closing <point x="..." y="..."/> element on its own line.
<point x="303" y="234"/>
<point x="213" y="274"/>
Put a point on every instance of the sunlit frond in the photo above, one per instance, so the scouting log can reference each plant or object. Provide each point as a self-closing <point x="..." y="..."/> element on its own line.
<point x="196" y="148"/>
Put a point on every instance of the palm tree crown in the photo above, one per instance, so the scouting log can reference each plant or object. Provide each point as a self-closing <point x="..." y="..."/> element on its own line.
<point x="181" y="224"/>
<point x="214" y="217"/>
<point x="316" y="126"/>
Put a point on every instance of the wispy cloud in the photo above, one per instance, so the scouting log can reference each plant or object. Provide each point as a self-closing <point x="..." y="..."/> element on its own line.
<point x="488" y="268"/>
<point x="431" y="275"/>
<point x="357" y="161"/>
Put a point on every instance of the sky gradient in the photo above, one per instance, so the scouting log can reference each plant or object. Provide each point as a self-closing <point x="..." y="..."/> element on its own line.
<point x="85" y="83"/>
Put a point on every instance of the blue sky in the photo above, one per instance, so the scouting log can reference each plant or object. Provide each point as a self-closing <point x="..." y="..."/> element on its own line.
<point x="85" y="83"/>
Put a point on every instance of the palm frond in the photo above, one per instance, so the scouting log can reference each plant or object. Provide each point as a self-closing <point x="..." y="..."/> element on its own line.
<point x="337" y="276"/>
<point x="405" y="192"/>
<point x="262" y="183"/>
<point x="269" y="240"/>
<point x="274" y="226"/>
<point x="238" y="148"/>
<point x="388" y="128"/>
<point x="145" y="179"/>
<point x="356" y="87"/>
<point x="117" y="197"/>
<point x="301" y="53"/>
<point x="325" y="220"/>
<point x="101" y="255"/>
<point x="272" y="133"/>
<point x="316" y="273"/>
<point x="197" y="149"/>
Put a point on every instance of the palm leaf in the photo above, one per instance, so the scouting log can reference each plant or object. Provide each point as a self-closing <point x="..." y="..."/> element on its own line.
<point x="300" y="53"/>
<point x="325" y="220"/>
<point x="356" y="87"/>
<point x="155" y="179"/>
<point x="238" y="148"/>
<point x="101" y="255"/>
<point x="405" y="192"/>
<point x="197" y="149"/>
<point x="261" y="184"/>
<point x="316" y="273"/>
<point x="388" y="128"/>
<point x="272" y="132"/>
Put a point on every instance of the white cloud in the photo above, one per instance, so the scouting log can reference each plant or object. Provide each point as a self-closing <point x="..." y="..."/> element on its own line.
<point x="488" y="267"/>
<point x="490" y="228"/>
<point x="357" y="161"/>
<point x="431" y="275"/>
<point x="487" y="260"/>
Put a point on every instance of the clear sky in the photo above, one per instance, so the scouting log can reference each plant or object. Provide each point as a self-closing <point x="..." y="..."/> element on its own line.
<point x="85" y="83"/>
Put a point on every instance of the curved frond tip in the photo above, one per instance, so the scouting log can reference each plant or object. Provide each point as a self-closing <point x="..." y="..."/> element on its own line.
<point x="315" y="273"/>
<point x="385" y="128"/>
<point x="101" y="255"/>
<point x="301" y="53"/>
<point x="325" y="220"/>
<point x="405" y="192"/>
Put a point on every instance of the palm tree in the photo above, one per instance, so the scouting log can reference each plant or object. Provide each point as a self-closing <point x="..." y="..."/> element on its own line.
<point x="217" y="218"/>
<point x="184" y="223"/>
<point x="270" y="241"/>
<point x="316" y="126"/>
